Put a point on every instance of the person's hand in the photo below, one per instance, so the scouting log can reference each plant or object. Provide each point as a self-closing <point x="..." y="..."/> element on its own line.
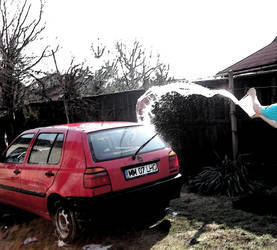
<point x="251" y="91"/>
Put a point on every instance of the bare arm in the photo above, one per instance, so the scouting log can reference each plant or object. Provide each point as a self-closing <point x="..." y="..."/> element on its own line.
<point x="272" y="123"/>
<point x="257" y="108"/>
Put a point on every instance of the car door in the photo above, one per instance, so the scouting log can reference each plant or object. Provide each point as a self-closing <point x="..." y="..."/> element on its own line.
<point x="42" y="165"/>
<point x="11" y="166"/>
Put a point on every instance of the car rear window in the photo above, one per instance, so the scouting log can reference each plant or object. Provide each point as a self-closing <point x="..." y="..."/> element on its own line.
<point x="121" y="142"/>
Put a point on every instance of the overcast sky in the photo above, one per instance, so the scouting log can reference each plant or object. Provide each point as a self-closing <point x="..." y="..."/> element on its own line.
<point x="197" y="38"/>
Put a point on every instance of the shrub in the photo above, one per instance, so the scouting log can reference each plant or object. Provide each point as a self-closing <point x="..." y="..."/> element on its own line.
<point x="227" y="178"/>
<point x="191" y="127"/>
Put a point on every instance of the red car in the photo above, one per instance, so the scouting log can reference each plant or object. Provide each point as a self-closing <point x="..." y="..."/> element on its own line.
<point x="67" y="172"/>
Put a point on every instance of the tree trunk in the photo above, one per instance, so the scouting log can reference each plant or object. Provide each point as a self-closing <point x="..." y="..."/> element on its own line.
<point x="66" y="109"/>
<point x="10" y="127"/>
<point x="2" y="136"/>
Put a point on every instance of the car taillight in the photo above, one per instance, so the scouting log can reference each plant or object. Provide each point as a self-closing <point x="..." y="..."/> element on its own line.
<point x="96" y="177"/>
<point x="173" y="161"/>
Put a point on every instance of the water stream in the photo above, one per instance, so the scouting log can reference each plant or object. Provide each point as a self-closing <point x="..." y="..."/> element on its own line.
<point x="146" y="101"/>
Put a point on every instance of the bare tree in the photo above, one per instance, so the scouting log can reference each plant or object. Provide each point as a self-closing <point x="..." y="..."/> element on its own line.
<point x="128" y="68"/>
<point x="18" y="31"/>
<point x="137" y="68"/>
<point x="104" y="74"/>
<point x="72" y="84"/>
<point x="161" y="75"/>
<point x="98" y="49"/>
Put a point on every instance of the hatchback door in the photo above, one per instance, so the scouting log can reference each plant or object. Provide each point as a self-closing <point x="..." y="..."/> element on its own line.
<point x="132" y="155"/>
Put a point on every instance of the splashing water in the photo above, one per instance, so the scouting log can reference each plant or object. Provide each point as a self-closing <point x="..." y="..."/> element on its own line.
<point x="146" y="101"/>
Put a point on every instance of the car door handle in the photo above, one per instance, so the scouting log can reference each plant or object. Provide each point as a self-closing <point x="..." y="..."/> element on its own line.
<point x="49" y="174"/>
<point x="17" y="171"/>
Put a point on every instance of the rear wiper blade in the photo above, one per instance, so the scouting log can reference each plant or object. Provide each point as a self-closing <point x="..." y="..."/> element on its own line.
<point x="142" y="146"/>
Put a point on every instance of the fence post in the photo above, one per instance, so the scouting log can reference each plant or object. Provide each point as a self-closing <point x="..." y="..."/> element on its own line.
<point x="233" y="118"/>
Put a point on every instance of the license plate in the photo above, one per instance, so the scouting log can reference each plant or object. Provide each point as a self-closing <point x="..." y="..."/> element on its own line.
<point x="141" y="171"/>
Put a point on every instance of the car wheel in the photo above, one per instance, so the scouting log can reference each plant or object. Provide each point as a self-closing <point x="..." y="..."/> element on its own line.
<point x="66" y="222"/>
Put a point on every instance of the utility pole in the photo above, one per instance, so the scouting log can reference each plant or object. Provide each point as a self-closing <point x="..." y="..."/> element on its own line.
<point x="233" y="118"/>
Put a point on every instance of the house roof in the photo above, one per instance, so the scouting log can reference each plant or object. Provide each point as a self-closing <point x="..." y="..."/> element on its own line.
<point x="266" y="56"/>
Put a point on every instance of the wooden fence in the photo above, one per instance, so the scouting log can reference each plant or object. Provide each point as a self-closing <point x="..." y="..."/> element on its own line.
<point x="255" y="137"/>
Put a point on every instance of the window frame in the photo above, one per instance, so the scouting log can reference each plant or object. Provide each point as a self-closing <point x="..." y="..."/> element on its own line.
<point x="57" y="133"/>
<point x="4" y="156"/>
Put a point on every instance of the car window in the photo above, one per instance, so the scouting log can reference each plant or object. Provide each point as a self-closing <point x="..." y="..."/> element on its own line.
<point x="17" y="151"/>
<point x="47" y="149"/>
<point x="56" y="151"/>
<point x="121" y="142"/>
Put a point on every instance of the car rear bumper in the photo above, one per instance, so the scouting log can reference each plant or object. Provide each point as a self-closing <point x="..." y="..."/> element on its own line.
<point x="159" y="192"/>
<point x="168" y="188"/>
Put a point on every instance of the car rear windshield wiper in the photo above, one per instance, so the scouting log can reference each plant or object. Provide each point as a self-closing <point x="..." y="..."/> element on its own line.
<point x="142" y="146"/>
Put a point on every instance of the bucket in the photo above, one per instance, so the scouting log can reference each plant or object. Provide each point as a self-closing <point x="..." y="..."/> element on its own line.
<point x="247" y="105"/>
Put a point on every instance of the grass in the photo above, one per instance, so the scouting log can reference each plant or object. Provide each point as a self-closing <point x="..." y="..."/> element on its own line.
<point x="202" y="222"/>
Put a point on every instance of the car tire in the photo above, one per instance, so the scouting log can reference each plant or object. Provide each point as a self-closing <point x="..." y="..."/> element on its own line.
<point x="66" y="222"/>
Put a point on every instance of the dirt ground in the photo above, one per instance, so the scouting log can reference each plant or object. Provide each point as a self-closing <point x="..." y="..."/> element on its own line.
<point x="192" y="222"/>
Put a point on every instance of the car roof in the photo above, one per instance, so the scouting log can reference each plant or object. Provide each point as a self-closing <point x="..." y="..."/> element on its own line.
<point x="92" y="126"/>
